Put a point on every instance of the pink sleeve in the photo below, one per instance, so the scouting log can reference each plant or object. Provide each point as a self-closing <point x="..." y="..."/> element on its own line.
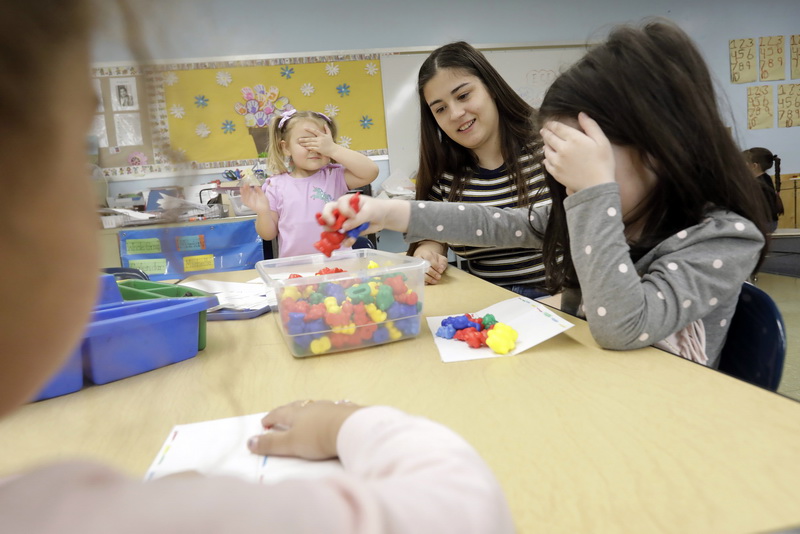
<point x="404" y="474"/>
<point x="419" y="476"/>
<point x="336" y="172"/>
<point x="270" y="188"/>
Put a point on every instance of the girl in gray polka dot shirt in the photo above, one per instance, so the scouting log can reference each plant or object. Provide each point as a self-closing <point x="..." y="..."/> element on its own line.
<point x="654" y="211"/>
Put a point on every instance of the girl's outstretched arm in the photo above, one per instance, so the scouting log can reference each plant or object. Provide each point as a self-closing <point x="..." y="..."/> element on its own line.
<point x="266" y="219"/>
<point x="381" y="214"/>
<point x="402" y="474"/>
<point x="452" y="222"/>
<point x="359" y="169"/>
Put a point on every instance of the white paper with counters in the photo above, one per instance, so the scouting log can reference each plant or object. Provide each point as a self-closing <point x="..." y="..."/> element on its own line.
<point x="253" y="295"/>
<point x="533" y="321"/>
<point x="219" y="448"/>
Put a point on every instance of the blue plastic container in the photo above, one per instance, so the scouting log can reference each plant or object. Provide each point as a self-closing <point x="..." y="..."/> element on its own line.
<point x="134" y="337"/>
<point x="127" y="338"/>
<point x="70" y="378"/>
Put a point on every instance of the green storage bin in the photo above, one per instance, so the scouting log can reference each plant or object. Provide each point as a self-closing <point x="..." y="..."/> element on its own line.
<point x="145" y="289"/>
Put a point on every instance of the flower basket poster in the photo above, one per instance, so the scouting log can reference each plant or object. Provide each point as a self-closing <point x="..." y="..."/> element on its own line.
<point x="217" y="113"/>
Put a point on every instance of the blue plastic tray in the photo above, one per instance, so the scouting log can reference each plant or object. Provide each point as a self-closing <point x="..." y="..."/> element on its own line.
<point x="126" y="338"/>
<point x="134" y="337"/>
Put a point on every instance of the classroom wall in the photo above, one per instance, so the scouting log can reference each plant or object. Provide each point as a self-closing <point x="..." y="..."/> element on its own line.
<point x="188" y="29"/>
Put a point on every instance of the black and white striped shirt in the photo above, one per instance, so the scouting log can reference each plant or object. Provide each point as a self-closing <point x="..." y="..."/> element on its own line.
<point x="502" y="266"/>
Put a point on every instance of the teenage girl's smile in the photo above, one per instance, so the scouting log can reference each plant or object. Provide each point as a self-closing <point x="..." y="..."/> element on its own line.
<point x="466" y="112"/>
<point x="467" y="126"/>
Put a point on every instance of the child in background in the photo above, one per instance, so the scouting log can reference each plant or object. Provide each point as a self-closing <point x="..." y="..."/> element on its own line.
<point x="760" y="160"/>
<point x="290" y="199"/>
<point x="403" y="473"/>
<point x="654" y="213"/>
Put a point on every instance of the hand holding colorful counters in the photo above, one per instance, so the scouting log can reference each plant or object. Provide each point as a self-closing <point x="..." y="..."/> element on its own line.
<point x="331" y="240"/>
<point x="479" y="332"/>
<point x="349" y="313"/>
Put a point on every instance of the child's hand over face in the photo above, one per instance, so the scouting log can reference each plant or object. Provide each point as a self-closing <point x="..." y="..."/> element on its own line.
<point x="578" y="159"/>
<point x="319" y="141"/>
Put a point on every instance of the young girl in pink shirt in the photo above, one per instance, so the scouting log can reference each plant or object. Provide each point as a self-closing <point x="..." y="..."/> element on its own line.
<point x="301" y="153"/>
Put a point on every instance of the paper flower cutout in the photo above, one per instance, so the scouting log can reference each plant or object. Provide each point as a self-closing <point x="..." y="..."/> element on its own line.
<point x="371" y="68"/>
<point x="332" y="69"/>
<point x="177" y="111"/>
<point x="287" y="72"/>
<point x="366" y="122"/>
<point x="137" y="158"/>
<point x="228" y="127"/>
<point x="202" y="130"/>
<point x="170" y="78"/>
<point x="343" y="90"/>
<point x="344" y="141"/>
<point x="307" y="89"/>
<point x="224" y="78"/>
<point x="260" y="105"/>
<point x="201" y="101"/>
<point x="331" y="110"/>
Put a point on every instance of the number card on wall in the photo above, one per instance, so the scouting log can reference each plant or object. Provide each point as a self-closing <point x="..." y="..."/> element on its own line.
<point x="743" y="60"/>
<point x="794" y="58"/>
<point x="759" y="107"/>
<point x="788" y="105"/>
<point x="771" y="62"/>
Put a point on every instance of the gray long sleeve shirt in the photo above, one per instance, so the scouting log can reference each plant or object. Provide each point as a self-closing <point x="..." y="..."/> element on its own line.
<point x="695" y="274"/>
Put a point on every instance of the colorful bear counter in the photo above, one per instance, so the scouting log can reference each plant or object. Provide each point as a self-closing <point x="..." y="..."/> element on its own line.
<point x="354" y="299"/>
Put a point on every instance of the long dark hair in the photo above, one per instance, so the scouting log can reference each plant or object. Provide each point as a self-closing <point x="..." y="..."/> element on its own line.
<point x="765" y="159"/>
<point x="649" y="88"/>
<point x="439" y="154"/>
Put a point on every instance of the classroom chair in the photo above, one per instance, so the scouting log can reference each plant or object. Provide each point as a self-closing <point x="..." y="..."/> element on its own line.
<point x="363" y="242"/>
<point x="369" y="240"/>
<point x="126" y="273"/>
<point x="756" y="345"/>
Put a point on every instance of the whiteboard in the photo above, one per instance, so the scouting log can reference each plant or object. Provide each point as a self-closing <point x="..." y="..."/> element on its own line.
<point x="529" y="71"/>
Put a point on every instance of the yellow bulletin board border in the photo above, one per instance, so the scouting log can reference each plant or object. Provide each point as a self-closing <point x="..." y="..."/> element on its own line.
<point x="346" y="86"/>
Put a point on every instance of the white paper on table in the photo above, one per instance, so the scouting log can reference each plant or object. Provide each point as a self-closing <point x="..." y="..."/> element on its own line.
<point x="219" y="447"/>
<point x="236" y="295"/>
<point x="533" y="321"/>
<point x="133" y="214"/>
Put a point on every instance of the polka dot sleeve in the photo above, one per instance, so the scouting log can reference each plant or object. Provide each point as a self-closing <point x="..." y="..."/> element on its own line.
<point x="476" y="225"/>
<point x="693" y="275"/>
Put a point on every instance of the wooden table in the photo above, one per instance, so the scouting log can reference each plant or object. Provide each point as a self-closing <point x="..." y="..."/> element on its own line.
<point x="582" y="439"/>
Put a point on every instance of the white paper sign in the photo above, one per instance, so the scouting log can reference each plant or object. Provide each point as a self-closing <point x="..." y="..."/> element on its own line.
<point x="219" y="448"/>
<point x="534" y="323"/>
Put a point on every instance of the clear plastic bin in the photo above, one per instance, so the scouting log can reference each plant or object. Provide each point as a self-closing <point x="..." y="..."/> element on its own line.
<point x="378" y="299"/>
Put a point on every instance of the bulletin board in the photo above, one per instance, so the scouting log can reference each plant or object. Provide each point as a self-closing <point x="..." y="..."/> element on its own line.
<point x="214" y="114"/>
<point x="121" y="138"/>
<point x="773" y="59"/>
<point x="528" y="69"/>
